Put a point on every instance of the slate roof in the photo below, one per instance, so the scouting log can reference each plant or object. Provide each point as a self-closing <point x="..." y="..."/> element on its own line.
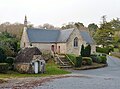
<point x="64" y="35"/>
<point x="52" y="36"/>
<point x="86" y="36"/>
<point x="44" y="35"/>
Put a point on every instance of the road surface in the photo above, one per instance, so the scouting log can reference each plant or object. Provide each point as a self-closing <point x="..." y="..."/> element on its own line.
<point x="103" y="78"/>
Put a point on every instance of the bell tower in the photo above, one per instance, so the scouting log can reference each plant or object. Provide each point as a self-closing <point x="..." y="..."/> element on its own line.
<point x="25" y="21"/>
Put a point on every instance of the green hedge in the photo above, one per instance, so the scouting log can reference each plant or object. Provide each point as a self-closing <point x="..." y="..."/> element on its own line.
<point x="105" y="49"/>
<point x="85" y="51"/>
<point x="87" y="61"/>
<point x="104" y="59"/>
<point x="4" y="67"/>
<point x="94" y="58"/>
<point x="99" y="58"/>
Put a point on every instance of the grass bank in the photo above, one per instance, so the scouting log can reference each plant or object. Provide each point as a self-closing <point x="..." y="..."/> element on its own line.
<point x="51" y="69"/>
<point x="116" y="54"/>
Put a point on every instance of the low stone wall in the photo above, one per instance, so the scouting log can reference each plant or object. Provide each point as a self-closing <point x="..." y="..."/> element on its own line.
<point x="24" y="68"/>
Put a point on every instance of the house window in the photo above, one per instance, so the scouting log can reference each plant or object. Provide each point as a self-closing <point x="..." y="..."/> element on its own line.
<point x="76" y="42"/>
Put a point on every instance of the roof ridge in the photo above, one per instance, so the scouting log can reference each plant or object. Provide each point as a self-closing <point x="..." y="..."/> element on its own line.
<point x="43" y="29"/>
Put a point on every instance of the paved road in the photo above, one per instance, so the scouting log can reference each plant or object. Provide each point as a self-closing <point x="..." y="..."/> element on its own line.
<point x="103" y="78"/>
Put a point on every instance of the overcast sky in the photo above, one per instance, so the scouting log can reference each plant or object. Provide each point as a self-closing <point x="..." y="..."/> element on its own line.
<point x="58" y="12"/>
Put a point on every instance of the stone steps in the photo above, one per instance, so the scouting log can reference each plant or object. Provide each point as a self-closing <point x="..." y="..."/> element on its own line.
<point x="66" y="63"/>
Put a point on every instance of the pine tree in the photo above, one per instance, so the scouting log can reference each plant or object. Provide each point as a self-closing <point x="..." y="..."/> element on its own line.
<point x="82" y="50"/>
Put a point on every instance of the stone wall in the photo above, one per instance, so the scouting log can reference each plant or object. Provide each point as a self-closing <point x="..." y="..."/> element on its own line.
<point x="24" y="40"/>
<point x="43" y="46"/>
<point x="24" y="67"/>
<point x="47" y="46"/>
<point x="70" y="43"/>
<point x="62" y="48"/>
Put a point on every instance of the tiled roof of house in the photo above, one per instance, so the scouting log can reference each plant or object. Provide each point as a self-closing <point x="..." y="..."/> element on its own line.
<point x="49" y="36"/>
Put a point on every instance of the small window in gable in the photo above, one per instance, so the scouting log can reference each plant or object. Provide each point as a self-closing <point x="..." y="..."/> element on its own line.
<point x="76" y="42"/>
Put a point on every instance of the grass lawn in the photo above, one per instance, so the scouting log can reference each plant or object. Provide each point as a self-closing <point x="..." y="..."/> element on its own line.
<point x="51" y="69"/>
<point x="116" y="54"/>
<point x="116" y="50"/>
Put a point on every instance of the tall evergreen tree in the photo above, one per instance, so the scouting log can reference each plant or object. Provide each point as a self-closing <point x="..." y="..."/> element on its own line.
<point x="82" y="50"/>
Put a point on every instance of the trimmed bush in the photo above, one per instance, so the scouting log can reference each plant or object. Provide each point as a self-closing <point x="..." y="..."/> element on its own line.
<point x="99" y="58"/>
<point x="78" y="61"/>
<point x="4" y="67"/>
<point x="87" y="61"/>
<point x="94" y="58"/>
<point x="104" y="59"/>
<point x="85" y="52"/>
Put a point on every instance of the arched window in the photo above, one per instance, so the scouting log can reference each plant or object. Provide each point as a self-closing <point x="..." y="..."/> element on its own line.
<point x="76" y="42"/>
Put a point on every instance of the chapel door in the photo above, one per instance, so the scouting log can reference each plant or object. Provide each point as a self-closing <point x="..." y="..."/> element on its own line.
<point x="58" y="49"/>
<point x="52" y="48"/>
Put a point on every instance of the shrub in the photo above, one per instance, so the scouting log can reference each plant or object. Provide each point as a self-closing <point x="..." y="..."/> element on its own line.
<point x="104" y="59"/>
<point x="85" y="52"/>
<point x="105" y="49"/>
<point x="9" y="60"/>
<point x="99" y="58"/>
<point x="2" y="55"/>
<point x="94" y="58"/>
<point x="87" y="60"/>
<point x="102" y="50"/>
<point x="4" y="67"/>
<point x="82" y="50"/>
<point x="78" y="61"/>
<point x="72" y="57"/>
